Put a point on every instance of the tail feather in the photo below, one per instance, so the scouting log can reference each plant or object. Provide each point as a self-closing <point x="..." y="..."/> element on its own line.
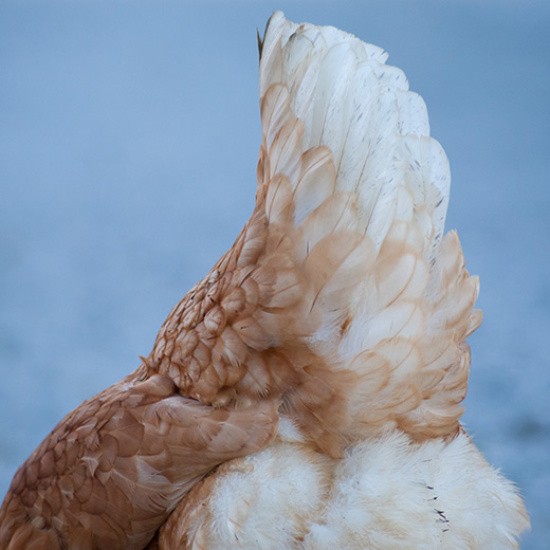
<point x="370" y="213"/>
<point x="342" y="277"/>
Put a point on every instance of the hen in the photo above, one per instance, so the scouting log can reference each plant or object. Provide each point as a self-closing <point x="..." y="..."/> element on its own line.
<point x="332" y="335"/>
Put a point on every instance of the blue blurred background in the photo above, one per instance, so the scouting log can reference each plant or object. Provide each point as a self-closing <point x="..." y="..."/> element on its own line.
<point x="128" y="142"/>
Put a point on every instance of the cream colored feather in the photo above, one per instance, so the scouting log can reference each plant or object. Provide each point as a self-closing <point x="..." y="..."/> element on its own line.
<point x="343" y="302"/>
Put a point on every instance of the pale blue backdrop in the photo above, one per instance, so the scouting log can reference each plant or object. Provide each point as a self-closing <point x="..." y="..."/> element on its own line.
<point x="128" y="142"/>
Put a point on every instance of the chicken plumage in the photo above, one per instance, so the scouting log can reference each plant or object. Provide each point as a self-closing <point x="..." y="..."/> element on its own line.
<point x="341" y="312"/>
<point x="110" y="472"/>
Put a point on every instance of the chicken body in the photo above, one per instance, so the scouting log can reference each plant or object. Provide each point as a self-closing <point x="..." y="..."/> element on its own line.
<point x="341" y="312"/>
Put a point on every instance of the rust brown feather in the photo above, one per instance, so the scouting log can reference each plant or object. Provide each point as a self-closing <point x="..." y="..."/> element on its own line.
<point x="112" y="470"/>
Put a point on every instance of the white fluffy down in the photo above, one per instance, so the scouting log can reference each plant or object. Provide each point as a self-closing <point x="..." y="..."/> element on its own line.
<point x="387" y="493"/>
